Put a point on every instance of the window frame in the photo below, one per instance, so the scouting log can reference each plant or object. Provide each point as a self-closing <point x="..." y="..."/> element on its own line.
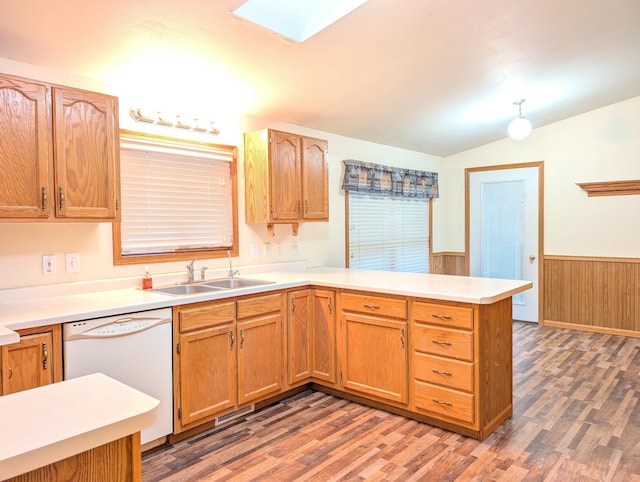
<point x="186" y="254"/>
<point x="346" y="237"/>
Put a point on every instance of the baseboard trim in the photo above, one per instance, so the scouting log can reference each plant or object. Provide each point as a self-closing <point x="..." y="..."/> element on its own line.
<point x="593" y="329"/>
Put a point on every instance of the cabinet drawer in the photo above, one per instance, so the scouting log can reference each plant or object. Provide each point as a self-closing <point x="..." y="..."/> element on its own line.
<point x="375" y="305"/>
<point x="443" y="371"/>
<point x="450" y="316"/>
<point x="441" y="341"/>
<point x="206" y="315"/>
<point x="444" y="401"/>
<point x="259" y="305"/>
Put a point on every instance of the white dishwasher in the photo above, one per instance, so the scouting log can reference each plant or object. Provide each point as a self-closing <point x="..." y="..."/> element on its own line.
<point x="135" y="349"/>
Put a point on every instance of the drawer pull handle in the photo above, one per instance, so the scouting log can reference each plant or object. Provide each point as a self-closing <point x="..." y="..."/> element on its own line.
<point x="372" y="307"/>
<point x="441" y="372"/>
<point x="440" y="342"/>
<point x="442" y="317"/>
<point x="442" y="402"/>
<point x="232" y="339"/>
<point x="241" y="339"/>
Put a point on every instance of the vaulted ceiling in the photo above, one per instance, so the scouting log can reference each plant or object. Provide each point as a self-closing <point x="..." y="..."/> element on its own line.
<point x="434" y="76"/>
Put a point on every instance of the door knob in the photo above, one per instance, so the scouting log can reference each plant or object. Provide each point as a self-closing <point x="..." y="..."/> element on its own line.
<point x="532" y="257"/>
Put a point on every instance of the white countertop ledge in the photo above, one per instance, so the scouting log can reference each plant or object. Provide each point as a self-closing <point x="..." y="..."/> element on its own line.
<point x="26" y="312"/>
<point x="49" y="423"/>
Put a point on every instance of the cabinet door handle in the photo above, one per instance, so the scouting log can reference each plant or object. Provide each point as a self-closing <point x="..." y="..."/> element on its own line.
<point x="44" y="199"/>
<point x="293" y="305"/>
<point x="442" y="402"/>
<point x="300" y="207"/>
<point x="61" y="198"/>
<point x="232" y="339"/>
<point x="306" y="206"/>
<point x="441" y="372"/>
<point x="10" y="373"/>
<point x="330" y="307"/>
<point x="442" y="317"/>
<point x="45" y="356"/>
<point x="440" y="342"/>
<point x="371" y="307"/>
<point x="241" y="339"/>
<point x="402" y="337"/>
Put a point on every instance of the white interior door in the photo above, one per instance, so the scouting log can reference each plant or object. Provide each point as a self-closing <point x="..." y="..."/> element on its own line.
<point x="503" y="231"/>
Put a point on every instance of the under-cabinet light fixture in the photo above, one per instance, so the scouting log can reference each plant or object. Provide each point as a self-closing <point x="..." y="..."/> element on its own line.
<point x="138" y="116"/>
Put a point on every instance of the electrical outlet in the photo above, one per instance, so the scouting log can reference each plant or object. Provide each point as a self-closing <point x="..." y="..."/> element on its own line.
<point x="296" y="248"/>
<point x="48" y="263"/>
<point x="267" y="250"/>
<point x="253" y="250"/>
<point x="278" y="249"/>
<point x="72" y="262"/>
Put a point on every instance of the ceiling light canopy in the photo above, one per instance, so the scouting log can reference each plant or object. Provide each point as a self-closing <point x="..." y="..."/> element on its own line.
<point x="520" y="127"/>
<point x="299" y="19"/>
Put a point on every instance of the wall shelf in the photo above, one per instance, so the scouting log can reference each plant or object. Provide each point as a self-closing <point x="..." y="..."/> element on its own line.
<point x="610" y="188"/>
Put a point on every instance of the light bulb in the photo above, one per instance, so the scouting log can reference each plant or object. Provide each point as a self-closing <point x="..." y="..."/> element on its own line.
<point x="519" y="128"/>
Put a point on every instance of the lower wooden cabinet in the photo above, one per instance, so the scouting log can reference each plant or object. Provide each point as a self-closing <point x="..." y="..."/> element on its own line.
<point x="461" y="364"/>
<point x="206" y="363"/>
<point x="34" y="361"/>
<point x="374" y="352"/>
<point x="227" y="354"/>
<point x="311" y="342"/>
<point x="444" y="363"/>
<point x="259" y="347"/>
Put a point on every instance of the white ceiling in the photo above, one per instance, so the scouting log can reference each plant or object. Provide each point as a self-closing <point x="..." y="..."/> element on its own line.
<point x="434" y="76"/>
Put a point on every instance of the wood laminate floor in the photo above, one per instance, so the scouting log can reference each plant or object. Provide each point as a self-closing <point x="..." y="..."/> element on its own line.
<point x="576" y="418"/>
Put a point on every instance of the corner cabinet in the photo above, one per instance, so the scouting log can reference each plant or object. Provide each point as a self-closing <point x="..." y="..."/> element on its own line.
<point x="311" y="338"/>
<point x="59" y="152"/>
<point x="34" y="361"/>
<point x="286" y="178"/>
<point x="227" y="354"/>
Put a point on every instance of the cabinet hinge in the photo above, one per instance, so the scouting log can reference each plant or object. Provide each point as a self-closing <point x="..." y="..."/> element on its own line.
<point x="178" y="348"/>
<point x="180" y="413"/>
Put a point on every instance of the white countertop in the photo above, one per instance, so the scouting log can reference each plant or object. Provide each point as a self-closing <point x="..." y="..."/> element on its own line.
<point x="45" y="310"/>
<point x="49" y="423"/>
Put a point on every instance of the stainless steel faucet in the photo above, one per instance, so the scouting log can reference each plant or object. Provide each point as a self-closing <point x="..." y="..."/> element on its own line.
<point x="202" y="271"/>
<point x="232" y="272"/>
<point x="190" y="276"/>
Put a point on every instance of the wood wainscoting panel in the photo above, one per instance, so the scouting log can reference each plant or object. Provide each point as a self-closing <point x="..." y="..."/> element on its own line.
<point x="593" y="293"/>
<point x="446" y="262"/>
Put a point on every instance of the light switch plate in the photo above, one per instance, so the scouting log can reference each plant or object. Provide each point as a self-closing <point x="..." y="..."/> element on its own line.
<point x="72" y="262"/>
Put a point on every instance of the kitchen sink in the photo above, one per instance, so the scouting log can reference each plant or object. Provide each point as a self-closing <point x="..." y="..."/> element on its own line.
<point x="185" y="289"/>
<point x="226" y="283"/>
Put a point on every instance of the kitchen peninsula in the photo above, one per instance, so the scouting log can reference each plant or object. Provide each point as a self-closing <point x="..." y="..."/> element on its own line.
<point x="436" y="348"/>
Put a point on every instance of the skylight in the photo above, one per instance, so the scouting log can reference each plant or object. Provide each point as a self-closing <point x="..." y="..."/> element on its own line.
<point x="299" y="19"/>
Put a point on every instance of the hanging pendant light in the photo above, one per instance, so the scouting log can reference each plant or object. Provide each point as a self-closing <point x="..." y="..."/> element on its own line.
<point x="520" y="127"/>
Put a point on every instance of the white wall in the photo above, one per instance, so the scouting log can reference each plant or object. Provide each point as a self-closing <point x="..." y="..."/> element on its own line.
<point x="23" y="244"/>
<point x="601" y="145"/>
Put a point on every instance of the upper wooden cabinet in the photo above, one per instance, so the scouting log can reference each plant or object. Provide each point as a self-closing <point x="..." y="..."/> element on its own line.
<point x="286" y="178"/>
<point x="86" y="155"/>
<point x="58" y="147"/>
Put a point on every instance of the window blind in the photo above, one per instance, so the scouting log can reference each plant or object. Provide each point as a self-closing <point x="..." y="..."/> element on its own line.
<point x="174" y="200"/>
<point x="388" y="233"/>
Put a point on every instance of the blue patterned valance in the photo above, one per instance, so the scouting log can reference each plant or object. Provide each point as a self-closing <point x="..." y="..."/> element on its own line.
<point x="369" y="178"/>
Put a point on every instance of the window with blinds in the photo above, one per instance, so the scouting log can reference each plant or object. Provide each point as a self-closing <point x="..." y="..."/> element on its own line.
<point x="176" y="198"/>
<point x="388" y="233"/>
